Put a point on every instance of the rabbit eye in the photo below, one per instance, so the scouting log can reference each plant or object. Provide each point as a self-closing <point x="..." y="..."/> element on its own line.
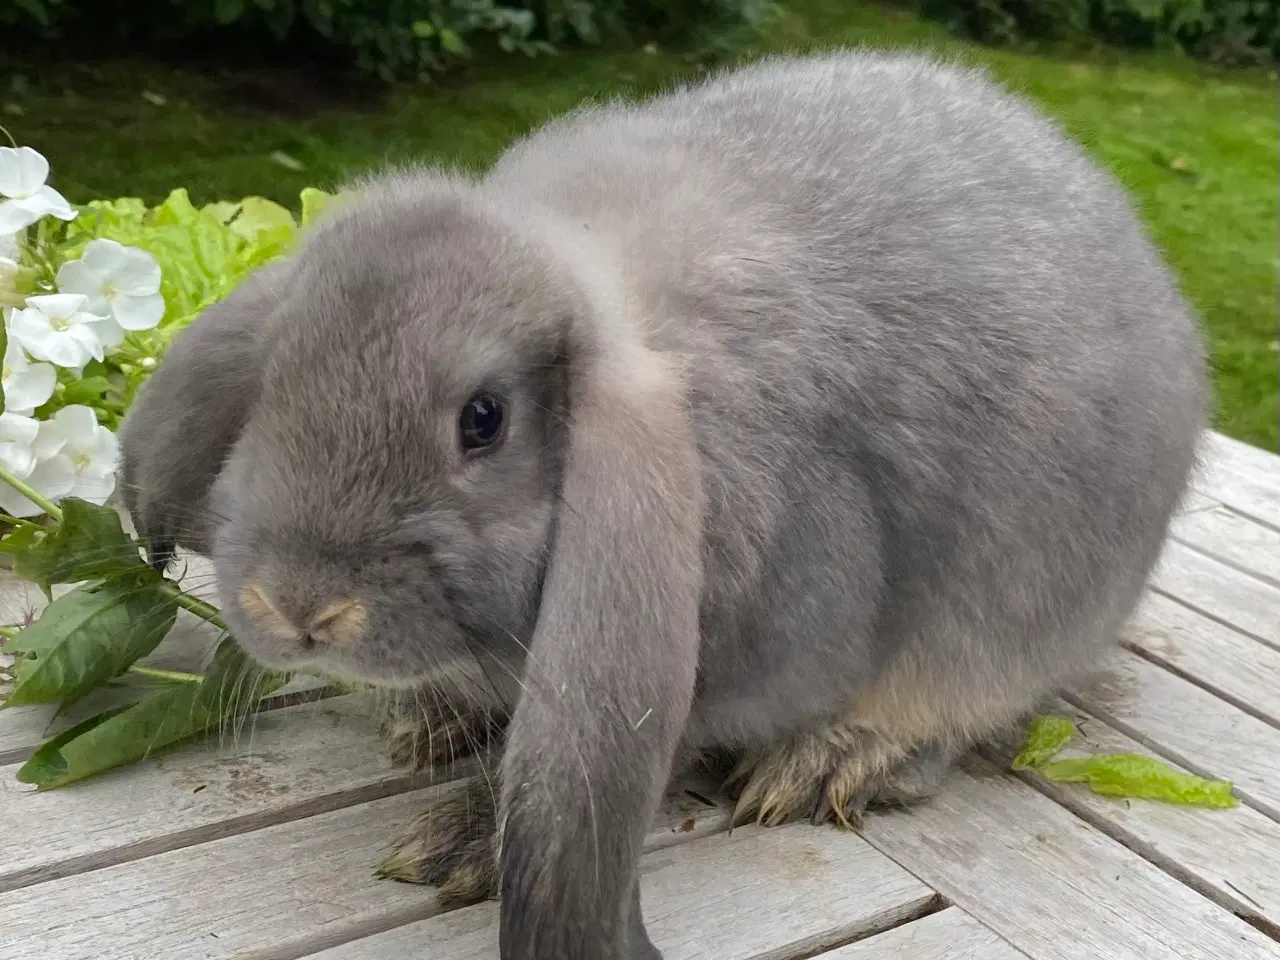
<point x="481" y="422"/>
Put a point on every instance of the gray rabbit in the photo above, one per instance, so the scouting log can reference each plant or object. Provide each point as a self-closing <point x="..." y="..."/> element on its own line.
<point x="828" y="413"/>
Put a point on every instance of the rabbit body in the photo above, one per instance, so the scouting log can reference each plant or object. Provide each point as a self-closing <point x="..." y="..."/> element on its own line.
<point x="887" y="405"/>
<point x="946" y="396"/>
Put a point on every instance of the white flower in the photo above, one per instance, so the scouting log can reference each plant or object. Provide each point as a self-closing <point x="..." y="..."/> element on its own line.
<point x="23" y="172"/>
<point x="56" y="327"/>
<point x="20" y="452"/>
<point x="26" y="385"/>
<point x="120" y="282"/>
<point x="9" y="246"/>
<point x="77" y="456"/>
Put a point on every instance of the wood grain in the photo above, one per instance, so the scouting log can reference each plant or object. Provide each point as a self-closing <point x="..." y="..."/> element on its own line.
<point x="1220" y="591"/>
<point x="1219" y="658"/>
<point x="287" y="763"/>
<point x="1243" y="477"/>
<point x="1052" y="885"/>
<point x="1233" y="539"/>
<point x="794" y="890"/>
<point x="277" y="892"/>
<point x="949" y="934"/>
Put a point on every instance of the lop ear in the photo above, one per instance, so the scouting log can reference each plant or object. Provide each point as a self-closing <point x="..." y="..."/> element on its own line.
<point x="610" y="673"/>
<point x="190" y="412"/>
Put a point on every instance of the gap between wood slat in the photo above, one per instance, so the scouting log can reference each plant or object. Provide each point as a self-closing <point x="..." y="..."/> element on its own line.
<point x="1209" y="615"/>
<point x="1244" y="706"/>
<point x="889" y="923"/>
<point x="87" y="863"/>
<point x="1222" y="558"/>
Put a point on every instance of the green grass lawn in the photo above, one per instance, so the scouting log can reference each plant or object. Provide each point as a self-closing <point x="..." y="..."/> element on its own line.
<point x="1196" y="146"/>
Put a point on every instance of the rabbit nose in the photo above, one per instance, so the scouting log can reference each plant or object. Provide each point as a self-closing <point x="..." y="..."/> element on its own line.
<point x="336" y="624"/>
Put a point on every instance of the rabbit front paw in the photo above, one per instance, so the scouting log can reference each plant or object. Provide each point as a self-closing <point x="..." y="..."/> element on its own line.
<point x="834" y="775"/>
<point x="452" y="846"/>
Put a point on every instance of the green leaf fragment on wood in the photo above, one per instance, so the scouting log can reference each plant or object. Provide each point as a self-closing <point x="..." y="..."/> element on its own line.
<point x="1134" y="776"/>
<point x="226" y="696"/>
<point x="86" y="637"/>
<point x="1046" y="736"/>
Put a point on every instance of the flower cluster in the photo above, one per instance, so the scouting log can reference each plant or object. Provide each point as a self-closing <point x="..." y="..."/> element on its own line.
<point x="80" y="311"/>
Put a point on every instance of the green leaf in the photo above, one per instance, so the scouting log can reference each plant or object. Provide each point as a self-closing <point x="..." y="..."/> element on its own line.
<point x="86" y="637"/>
<point x="1045" y="737"/>
<point x="258" y="214"/>
<point x="88" y="544"/>
<point x="87" y="390"/>
<point x="233" y="687"/>
<point x="452" y="42"/>
<point x="314" y="203"/>
<point x="224" y="210"/>
<point x="1134" y="776"/>
<point x="423" y="29"/>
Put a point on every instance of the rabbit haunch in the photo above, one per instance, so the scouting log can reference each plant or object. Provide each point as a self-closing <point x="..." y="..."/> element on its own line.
<point x="846" y="407"/>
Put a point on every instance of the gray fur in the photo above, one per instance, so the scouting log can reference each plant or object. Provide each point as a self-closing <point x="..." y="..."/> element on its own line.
<point x="850" y="403"/>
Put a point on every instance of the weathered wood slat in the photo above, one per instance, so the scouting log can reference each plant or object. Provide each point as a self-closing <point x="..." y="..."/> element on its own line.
<point x="1230" y="856"/>
<point x="1187" y="725"/>
<point x="1229" y="664"/>
<point x="753" y="894"/>
<point x="278" y="892"/>
<point x="1245" y="478"/>
<point x="1220" y="591"/>
<point x="1050" y="884"/>
<point x="949" y="934"/>
<point x="1232" y="538"/>
<point x="286" y="763"/>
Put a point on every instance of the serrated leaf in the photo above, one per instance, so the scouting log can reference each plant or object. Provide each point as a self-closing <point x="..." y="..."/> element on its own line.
<point x="86" y="637"/>
<point x="232" y="688"/>
<point x="258" y="214"/>
<point x="1138" y="777"/>
<point x="1046" y="736"/>
<point x="89" y="543"/>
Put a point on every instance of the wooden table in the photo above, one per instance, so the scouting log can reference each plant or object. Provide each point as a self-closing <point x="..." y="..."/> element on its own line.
<point x="260" y="843"/>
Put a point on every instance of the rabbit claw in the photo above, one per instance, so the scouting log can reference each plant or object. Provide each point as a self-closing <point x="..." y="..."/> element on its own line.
<point x="833" y="778"/>
<point x="450" y="846"/>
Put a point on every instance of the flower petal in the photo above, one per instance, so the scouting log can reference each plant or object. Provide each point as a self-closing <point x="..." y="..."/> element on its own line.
<point x="107" y="331"/>
<point x="9" y="245"/>
<point x="94" y="489"/>
<point x="77" y="276"/>
<point x="79" y="424"/>
<point x="15" y="504"/>
<point x="59" y="306"/>
<point x="138" y="313"/>
<point x="30" y="329"/>
<point x="55" y="477"/>
<point x="52" y="203"/>
<point x="138" y="274"/>
<point x="83" y="335"/>
<point x="50" y="440"/>
<point x="16" y="429"/>
<point x="15" y="216"/>
<point x="105" y="256"/>
<point x="29" y="388"/>
<point x="23" y="171"/>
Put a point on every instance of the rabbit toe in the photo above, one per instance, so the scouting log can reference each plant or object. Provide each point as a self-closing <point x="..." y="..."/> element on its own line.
<point x="834" y="776"/>
<point x="451" y="846"/>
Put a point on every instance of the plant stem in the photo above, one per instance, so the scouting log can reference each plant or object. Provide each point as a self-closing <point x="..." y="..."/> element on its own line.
<point x="205" y="611"/>
<point x="159" y="674"/>
<point x="47" y="506"/>
<point x="18" y="521"/>
<point x="9" y="632"/>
